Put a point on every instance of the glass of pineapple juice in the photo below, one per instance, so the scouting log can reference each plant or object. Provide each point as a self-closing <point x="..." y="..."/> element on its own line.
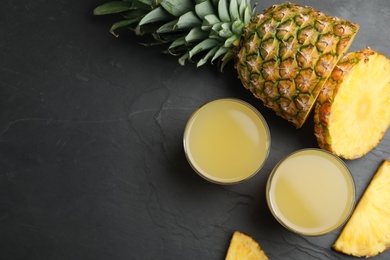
<point x="226" y="141"/>
<point x="311" y="192"/>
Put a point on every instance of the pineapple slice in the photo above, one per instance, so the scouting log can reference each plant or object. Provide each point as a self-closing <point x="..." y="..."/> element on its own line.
<point x="352" y="113"/>
<point x="367" y="232"/>
<point x="245" y="247"/>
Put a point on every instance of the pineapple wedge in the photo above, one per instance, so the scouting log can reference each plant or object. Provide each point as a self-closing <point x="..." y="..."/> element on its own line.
<point x="367" y="233"/>
<point x="352" y="112"/>
<point x="244" y="247"/>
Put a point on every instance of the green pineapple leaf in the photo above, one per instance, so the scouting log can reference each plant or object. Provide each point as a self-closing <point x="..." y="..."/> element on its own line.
<point x="112" y="7"/>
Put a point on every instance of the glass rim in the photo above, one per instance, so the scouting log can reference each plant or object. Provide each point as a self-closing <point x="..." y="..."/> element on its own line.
<point x="350" y="205"/>
<point x="204" y="174"/>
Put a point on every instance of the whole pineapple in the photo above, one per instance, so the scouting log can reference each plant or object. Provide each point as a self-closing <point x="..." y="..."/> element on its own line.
<point x="283" y="56"/>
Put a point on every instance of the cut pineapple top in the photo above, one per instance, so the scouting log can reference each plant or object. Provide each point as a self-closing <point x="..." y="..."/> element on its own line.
<point x="367" y="233"/>
<point x="353" y="110"/>
<point x="244" y="247"/>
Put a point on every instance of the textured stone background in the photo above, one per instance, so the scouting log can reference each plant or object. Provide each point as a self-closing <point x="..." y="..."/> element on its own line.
<point x="91" y="157"/>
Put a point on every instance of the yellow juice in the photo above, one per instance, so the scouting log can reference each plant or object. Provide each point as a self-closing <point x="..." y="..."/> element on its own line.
<point x="226" y="141"/>
<point x="311" y="192"/>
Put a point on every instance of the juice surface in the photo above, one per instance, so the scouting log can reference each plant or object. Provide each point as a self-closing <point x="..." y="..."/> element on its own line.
<point x="226" y="141"/>
<point x="311" y="192"/>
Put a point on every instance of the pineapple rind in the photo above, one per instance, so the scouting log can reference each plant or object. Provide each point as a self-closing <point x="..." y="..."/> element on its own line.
<point x="352" y="113"/>
<point x="294" y="44"/>
<point x="367" y="233"/>
<point x="245" y="247"/>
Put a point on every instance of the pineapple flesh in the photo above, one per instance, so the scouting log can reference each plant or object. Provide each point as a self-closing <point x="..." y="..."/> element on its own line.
<point x="245" y="247"/>
<point x="352" y="113"/>
<point x="286" y="55"/>
<point x="367" y="233"/>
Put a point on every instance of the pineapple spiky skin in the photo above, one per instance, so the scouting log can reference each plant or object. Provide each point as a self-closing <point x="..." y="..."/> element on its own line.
<point x="352" y="112"/>
<point x="287" y="53"/>
<point x="367" y="232"/>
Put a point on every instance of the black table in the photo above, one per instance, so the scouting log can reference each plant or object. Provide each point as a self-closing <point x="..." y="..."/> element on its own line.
<point x="92" y="163"/>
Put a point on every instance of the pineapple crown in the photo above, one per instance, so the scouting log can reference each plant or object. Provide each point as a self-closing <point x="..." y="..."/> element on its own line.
<point x="196" y="30"/>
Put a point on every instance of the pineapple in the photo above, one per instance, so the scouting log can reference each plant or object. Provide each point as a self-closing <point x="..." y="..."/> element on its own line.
<point x="289" y="57"/>
<point x="352" y="112"/>
<point x="367" y="233"/>
<point x="283" y="56"/>
<point x="243" y="246"/>
<point x="286" y="55"/>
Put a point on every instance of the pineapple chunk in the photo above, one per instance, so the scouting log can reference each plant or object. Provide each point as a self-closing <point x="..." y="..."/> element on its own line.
<point x="352" y="113"/>
<point x="367" y="233"/>
<point x="244" y="247"/>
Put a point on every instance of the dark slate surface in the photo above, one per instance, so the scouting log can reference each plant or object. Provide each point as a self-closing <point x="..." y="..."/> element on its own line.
<point x="91" y="157"/>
